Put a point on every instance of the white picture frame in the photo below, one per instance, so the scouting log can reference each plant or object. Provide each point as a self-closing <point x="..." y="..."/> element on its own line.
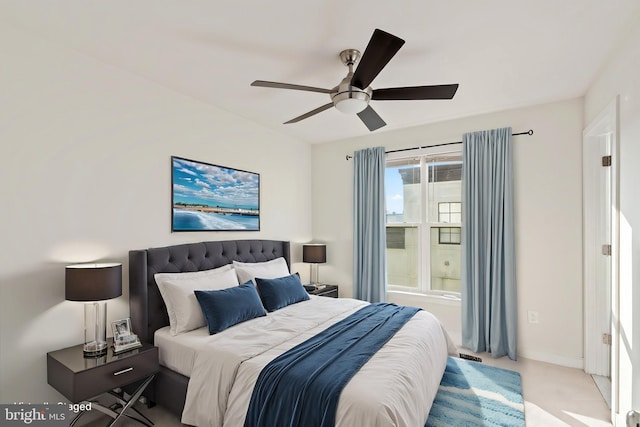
<point x="121" y="329"/>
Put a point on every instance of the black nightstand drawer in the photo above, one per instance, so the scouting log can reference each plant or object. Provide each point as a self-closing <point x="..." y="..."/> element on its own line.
<point x="79" y="378"/>
<point x="326" y="291"/>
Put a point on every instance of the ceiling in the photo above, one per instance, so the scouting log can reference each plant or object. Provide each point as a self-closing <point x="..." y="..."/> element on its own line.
<point x="503" y="53"/>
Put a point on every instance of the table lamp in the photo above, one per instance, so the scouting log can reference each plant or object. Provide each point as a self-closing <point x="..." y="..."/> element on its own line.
<point x="314" y="253"/>
<point x="92" y="284"/>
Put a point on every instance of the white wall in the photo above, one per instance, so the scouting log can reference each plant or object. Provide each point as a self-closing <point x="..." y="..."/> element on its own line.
<point x="620" y="77"/>
<point x="548" y="192"/>
<point x="85" y="176"/>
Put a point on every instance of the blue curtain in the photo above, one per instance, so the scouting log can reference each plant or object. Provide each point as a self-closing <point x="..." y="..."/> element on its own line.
<point x="369" y="234"/>
<point x="489" y="313"/>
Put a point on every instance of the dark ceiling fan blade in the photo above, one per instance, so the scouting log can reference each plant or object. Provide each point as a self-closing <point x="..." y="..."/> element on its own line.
<point x="263" y="83"/>
<point x="310" y="113"/>
<point x="371" y="119"/>
<point x="415" y="92"/>
<point x="381" y="48"/>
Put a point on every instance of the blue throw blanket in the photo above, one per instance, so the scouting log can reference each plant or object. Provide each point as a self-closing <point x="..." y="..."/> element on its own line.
<point x="303" y="385"/>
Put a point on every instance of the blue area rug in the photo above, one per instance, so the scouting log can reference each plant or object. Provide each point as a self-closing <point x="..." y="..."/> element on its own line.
<point x="473" y="394"/>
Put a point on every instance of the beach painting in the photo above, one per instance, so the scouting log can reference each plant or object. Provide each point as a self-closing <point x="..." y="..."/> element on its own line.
<point x="208" y="197"/>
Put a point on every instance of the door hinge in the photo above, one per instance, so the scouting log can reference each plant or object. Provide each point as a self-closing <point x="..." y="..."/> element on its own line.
<point x="606" y="249"/>
<point x="606" y="339"/>
<point x="606" y="160"/>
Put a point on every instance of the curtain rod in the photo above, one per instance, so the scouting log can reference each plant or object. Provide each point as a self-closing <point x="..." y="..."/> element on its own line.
<point x="529" y="132"/>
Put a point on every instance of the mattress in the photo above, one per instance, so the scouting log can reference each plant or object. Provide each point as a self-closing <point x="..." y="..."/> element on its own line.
<point x="178" y="352"/>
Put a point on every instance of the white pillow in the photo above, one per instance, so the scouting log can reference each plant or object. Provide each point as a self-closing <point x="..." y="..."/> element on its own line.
<point x="177" y="289"/>
<point x="273" y="269"/>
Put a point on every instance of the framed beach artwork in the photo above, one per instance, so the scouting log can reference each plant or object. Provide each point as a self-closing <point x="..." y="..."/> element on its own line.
<point x="209" y="197"/>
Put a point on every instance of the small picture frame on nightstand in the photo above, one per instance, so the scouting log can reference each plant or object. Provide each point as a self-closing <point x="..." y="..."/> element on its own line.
<point x="121" y="328"/>
<point x="123" y="337"/>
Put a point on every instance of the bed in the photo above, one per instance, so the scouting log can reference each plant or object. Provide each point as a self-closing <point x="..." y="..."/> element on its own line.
<point x="416" y="355"/>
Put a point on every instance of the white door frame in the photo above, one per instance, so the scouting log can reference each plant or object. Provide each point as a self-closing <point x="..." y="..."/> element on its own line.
<point x="605" y="124"/>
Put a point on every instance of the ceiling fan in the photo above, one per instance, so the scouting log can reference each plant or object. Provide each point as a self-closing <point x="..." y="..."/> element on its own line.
<point x="353" y="93"/>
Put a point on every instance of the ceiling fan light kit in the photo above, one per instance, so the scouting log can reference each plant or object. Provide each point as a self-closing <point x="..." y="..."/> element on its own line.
<point x="353" y="94"/>
<point x="351" y="103"/>
<point x="350" y="99"/>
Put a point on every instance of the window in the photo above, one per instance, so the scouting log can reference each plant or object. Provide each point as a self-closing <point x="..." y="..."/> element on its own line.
<point x="449" y="235"/>
<point x="395" y="238"/>
<point x="450" y="212"/>
<point x="423" y="220"/>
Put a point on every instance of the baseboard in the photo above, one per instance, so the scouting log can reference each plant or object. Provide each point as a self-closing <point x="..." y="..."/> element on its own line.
<point x="569" y="362"/>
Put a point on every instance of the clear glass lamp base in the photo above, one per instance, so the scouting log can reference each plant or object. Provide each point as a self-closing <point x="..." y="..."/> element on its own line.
<point x="94" y="349"/>
<point x="95" y="329"/>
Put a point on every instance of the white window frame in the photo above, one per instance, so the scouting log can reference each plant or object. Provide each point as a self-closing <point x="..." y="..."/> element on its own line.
<point x="424" y="228"/>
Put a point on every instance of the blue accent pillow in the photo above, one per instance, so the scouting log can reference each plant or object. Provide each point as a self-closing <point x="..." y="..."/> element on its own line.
<point x="227" y="307"/>
<point x="279" y="293"/>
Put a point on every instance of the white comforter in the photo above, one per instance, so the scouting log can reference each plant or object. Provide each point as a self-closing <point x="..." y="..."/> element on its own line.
<point x="396" y="387"/>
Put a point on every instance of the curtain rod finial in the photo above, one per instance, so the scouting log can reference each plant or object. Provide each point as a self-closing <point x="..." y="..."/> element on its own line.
<point x="348" y="157"/>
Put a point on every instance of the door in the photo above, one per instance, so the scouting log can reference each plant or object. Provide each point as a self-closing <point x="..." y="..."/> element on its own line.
<point x="597" y="253"/>
<point x="600" y="249"/>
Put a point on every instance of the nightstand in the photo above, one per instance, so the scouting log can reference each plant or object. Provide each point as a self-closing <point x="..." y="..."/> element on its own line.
<point x="325" y="291"/>
<point x="82" y="379"/>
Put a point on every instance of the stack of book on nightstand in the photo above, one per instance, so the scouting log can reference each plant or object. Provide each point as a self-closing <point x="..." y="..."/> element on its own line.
<point x="126" y="343"/>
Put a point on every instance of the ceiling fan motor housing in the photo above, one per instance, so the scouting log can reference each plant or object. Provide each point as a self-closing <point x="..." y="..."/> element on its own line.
<point x="348" y="98"/>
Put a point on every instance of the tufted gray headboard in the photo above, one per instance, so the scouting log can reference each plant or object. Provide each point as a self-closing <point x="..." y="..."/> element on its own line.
<point x="147" y="309"/>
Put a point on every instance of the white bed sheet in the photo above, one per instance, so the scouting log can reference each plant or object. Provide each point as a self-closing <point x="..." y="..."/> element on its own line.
<point x="396" y="387"/>
<point x="177" y="352"/>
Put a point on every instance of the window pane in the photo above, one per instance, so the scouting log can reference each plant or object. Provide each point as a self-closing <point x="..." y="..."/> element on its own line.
<point x="402" y="263"/>
<point x="402" y="191"/>
<point x="444" y="190"/>
<point x="445" y="259"/>
<point x="444" y="212"/>
<point x="455" y="235"/>
<point x="445" y="235"/>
